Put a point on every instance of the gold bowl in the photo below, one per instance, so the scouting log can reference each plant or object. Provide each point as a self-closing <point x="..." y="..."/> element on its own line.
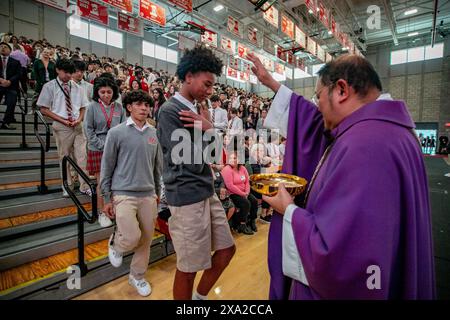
<point x="267" y="183"/>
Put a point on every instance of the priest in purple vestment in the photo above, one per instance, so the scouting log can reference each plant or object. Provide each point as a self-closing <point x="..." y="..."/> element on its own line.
<point x="362" y="230"/>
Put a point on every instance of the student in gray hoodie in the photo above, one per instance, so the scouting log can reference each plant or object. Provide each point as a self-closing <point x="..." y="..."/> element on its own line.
<point x="102" y="114"/>
<point x="130" y="176"/>
<point x="198" y="223"/>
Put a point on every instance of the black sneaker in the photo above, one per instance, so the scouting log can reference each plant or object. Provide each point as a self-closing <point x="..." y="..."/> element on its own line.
<point x="252" y="225"/>
<point x="243" y="228"/>
<point x="7" y="126"/>
<point x="266" y="219"/>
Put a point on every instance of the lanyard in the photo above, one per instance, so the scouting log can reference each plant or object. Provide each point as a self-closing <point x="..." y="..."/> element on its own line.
<point x="111" y="113"/>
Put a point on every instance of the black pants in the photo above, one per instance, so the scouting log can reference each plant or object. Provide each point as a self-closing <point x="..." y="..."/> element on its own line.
<point x="24" y="79"/>
<point x="10" y="101"/>
<point x="248" y="208"/>
<point x="257" y="195"/>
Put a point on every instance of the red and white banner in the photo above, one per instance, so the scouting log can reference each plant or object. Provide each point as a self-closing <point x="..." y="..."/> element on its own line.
<point x="183" y="4"/>
<point x="232" y="73"/>
<point x="279" y="68"/>
<point x="126" y="5"/>
<point x="233" y="63"/>
<point x="320" y="53"/>
<point x="287" y="26"/>
<point x="271" y="16"/>
<point x="234" y="26"/>
<point x="290" y="57"/>
<point x="252" y="36"/>
<point x="129" y="24"/>
<point x="242" y="51"/>
<point x="94" y="11"/>
<point x="311" y="4"/>
<point x="244" y="76"/>
<point x="269" y="64"/>
<point x="269" y="45"/>
<point x="228" y="45"/>
<point x="209" y="38"/>
<point x="333" y="25"/>
<point x="300" y="37"/>
<point x="312" y="46"/>
<point x="281" y="54"/>
<point x="300" y="64"/>
<point x="57" y="4"/>
<point x="152" y="12"/>
<point x="323" y="14"/>
<point x="246" y="67"/>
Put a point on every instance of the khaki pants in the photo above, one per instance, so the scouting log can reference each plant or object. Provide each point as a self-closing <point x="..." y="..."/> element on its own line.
<point x="135" y="218"/>
<point x="70" y="139"/>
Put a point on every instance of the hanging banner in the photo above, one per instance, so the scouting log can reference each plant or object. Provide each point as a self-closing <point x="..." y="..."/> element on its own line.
<point x="94" y="11"/>
<point x="126" y="5"/>
<point x="228" y="45"/>
<point x="269" y="64"/>
<point x="234" y="26"/>
<point x="300" y="37"/>
<point x="323" y="14"/>
<point x="269" y="45"/>
<point x="233" y="63"/>
<point x="253" y="79"/>
<point x="183" y="4"/>
<point x="246" y="67"/>
<point x="287" y="26"/>
<point x="152" y="12"/>
<point x="281" y="54"/>
<point x="333" y="25"/>
<point x="57" y="4"/>
<point x="232" y="73"/>
<point x="311" y="5"/>
<point x="242" y="51"/>
<point x="300" y="64"/>
<point x="244" y="76"/>
<point x="271" y="16"/>
<point x="328" y="57"/>
<point x="129" y="24"/>
<point x="312" y="46"/>
<point x="209" y="38"/>
<point x="252" y="36"/>
<point x="320" y="53"/>
<point x="290" y="57"/>
<point x="279" y="68"/>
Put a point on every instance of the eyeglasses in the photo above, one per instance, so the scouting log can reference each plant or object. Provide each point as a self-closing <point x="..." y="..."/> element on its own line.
<point x="315" y="97"/>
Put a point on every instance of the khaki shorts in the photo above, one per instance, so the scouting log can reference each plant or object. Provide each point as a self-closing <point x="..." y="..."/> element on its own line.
<point x="196" y="230"/>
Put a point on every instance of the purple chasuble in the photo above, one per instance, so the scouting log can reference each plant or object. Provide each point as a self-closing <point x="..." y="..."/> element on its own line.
<point x="367" y="217"/>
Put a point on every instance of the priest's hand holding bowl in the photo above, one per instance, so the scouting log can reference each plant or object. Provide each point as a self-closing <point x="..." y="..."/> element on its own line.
<point x="281" y="200"/>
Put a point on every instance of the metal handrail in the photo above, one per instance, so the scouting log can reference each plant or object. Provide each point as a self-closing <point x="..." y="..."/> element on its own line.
<point x="24" y="110"/>
<point x="83" y="215"/>
<point x="45" y="147"/>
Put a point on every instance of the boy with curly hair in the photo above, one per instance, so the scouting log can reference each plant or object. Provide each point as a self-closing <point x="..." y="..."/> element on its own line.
<point x="198" y="224"/>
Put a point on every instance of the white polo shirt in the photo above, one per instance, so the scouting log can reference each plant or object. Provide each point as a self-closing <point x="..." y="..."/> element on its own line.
<point x="53" y="97"/>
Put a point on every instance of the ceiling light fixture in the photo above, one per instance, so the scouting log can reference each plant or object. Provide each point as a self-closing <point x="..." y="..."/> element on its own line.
<point x="310" y="11"/>
<point x="218" y="8"/>
<point x="409" y="12"/>
<point x="413" y="34"/>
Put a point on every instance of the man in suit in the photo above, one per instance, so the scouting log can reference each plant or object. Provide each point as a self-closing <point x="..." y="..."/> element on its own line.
<point x="10" y="73"/>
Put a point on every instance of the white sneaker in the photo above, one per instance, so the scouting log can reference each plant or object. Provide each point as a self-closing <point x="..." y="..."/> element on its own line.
<point x="115" y="257"/>
<point x="87" y="192"/>
<point x="104" y="221"/>
<point x="142" y="286"/>
<point x="65" y="194"/>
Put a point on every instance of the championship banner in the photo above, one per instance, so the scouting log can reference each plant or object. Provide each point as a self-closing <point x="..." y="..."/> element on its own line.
<point x="183" y="4"/>
<point x="287" y="26"/>
<point x="244" y="76"/>
<point x="281" y="54"/>
<point x="253" y="79"/>
<point x="271" y="16"/>
<point x="269" y="45"/>
<point x="279" y="68"/>
<point x="152" y="12"/>
<point x="129" y="24"/>
<point x="233" y="63"/>
<point x="228" y="45"/>
<point x="312" y="46"/>
<point x="300" y="37"/>
<point x="234" y="26"/>
<point x="333" y="25"/>
<point x="290" y="57"/>
<point x="57" y="4"/>
<point x="242" y="51"/>
<point x="232" y="73"/>
<point x="252" y="36"/>
<point x="126" y="5"/>
<point x="94" y="11"/>
<point x="269" y="64"/>
<point x="323" y="14"/>
<point x="320" y="53"/>
<point x="300" y="64"/>
<point x="311" y="4"/>
<point x="209" y="38"/>
<point x="246" y="67"/>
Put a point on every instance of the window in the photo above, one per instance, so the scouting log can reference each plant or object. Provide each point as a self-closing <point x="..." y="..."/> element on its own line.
<point x="416" y="54"/>
<point x="288" y="72"/>
<point x="114" y="39"/>
<point x="78" y="27"/>
<point x="97" y="33"/>
<point x="148" y="49"/>
<point x="300" y="74"/>
<point x="436" y="52"/>
<point x="399" y="56"/>
<point x="160" y="52"/>
<point x="172" y="56"/>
